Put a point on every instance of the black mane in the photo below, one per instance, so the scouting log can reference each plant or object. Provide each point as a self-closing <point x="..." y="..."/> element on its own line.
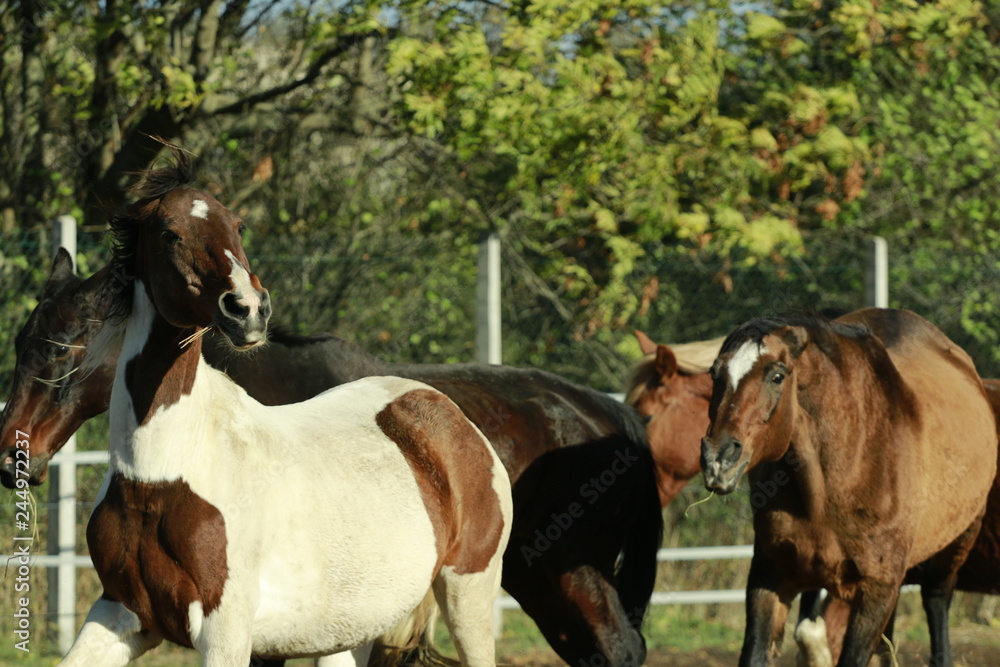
<point x="822" y="331"/>
<point x="149" y="185"/>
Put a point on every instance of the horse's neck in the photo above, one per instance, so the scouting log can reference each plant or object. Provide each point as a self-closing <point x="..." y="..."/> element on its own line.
<point x="316" y="364"/>
<point x="158" y="399"/>
<point x="699" y="384"/>
<point x="828" y="445"/>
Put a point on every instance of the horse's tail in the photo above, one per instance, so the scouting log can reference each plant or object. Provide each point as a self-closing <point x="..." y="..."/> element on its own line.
<point x="411" y="641"/>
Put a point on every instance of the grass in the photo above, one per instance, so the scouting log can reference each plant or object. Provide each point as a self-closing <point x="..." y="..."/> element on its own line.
<point x="675" y="629"/>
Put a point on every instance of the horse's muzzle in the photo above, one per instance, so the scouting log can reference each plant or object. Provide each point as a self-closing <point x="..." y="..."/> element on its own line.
<point x="720" y="464"/>
<point x="37" y="471"/>
<point x="243" y="318"/>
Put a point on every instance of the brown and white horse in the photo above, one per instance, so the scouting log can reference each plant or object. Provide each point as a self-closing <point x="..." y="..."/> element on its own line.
<point x="876" y="445"/>
<point x="557" y="439"/>
<point x="295" y="531"/>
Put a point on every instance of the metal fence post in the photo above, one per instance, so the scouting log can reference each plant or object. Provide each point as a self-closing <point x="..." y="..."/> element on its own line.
<point x="62" y="496"/>
<point x="877" y="273"/>
<point x="488" y="301"/>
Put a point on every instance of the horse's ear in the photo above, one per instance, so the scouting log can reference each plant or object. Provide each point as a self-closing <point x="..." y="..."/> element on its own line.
<point x="666" y="362"/>
<point x="797" y="339"/>
<point x="645" y="344"/>
<point x="62" y="269"/>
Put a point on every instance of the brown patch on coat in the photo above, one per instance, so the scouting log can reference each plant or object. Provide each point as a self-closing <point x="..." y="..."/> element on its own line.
<point x="453" y="467"/>
<point x="158" y="547"/>
<point x="162" y="357"/>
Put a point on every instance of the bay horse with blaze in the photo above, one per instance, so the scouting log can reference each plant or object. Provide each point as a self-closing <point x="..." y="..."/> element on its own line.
<point x="295" y="531"/>
<point x="876" y="437"/>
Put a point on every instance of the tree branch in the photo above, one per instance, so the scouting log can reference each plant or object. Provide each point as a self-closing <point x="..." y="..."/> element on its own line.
<point x="311" y="74"/>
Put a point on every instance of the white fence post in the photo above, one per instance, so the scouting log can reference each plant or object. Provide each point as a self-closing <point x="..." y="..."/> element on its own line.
<point x="62" y="495"/>
<point x="877" y="273"/>
<point x="488" y="301"/>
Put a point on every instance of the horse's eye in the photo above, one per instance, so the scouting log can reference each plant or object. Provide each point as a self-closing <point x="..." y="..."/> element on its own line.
<point x="57" y="351"/>
<point x="776" y="377"/>
<point x="242" y="228"/>
<point x="169" y="237"/>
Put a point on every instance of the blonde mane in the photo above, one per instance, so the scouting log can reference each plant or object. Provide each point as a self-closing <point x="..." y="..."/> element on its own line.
<point x="692" y="359"/>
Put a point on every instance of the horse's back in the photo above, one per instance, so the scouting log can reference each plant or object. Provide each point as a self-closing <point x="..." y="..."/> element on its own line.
<point x="954" y="449"/>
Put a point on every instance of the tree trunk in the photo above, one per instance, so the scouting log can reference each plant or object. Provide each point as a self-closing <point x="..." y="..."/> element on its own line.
<point x="33" y="181"/>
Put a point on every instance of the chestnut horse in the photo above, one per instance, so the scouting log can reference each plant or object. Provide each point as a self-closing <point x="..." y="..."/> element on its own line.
<point x="670" y="387"/>
<point x="561" y="443"/>
<point x="878" y="446"/>
<point x="390" y="489"/>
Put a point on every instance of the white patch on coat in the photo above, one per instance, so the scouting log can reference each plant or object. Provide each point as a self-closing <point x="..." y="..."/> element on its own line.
<point x="111" y="635"/>
<point x="371" y="504"/>
<point x="814" y="651"/>
<point x="246" y="294"/>
<point x="199" y="209"/>
<point x="742" y="362"/>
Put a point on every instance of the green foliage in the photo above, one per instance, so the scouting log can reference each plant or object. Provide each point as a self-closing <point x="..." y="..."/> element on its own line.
<point x="619" y="149"/>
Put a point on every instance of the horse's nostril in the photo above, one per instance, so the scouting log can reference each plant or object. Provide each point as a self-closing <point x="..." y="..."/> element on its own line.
<point x="733" y="451"/>
<point x="232" y="307"/>
<point x="265" y="304"/>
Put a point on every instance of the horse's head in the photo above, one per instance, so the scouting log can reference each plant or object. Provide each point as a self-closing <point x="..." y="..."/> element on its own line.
<point x="185" y="249"/>
<point x="752" y="410"/>
<point x="670" y="388"/>
<point x="50" y="398"/>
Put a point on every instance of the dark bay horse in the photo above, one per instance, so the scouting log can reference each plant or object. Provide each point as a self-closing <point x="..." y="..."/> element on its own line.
<point x="566" y="449"/>
<point x="390" y="489"/>
<point x="876" y="445"/>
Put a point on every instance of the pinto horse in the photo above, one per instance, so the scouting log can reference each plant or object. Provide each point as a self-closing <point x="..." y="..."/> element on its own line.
<point x="391" y="490"/>
<point x="587" y="590"/>
<point x="876" y="439"/>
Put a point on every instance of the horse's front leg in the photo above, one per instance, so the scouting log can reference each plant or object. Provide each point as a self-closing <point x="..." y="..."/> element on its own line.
<point x="767" y="609"/>
<point x="223" y="637"/>
<point x="111" y="636"/>
<point x="874" y="606"/>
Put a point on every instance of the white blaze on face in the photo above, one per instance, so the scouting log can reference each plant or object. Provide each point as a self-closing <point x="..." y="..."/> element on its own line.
<point x="742" y="362"/>
<point x="245" y="293"/>
<point x="199" y="209"/>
